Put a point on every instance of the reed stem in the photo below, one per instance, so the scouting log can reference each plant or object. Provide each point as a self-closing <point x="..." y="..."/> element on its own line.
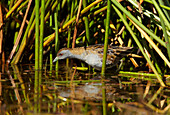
<point x="106" y="37"/>
<point x="41" y="35"/>
<point x="36" y="34"/>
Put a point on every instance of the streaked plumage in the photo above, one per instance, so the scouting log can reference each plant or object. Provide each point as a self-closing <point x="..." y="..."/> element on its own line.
<point x="93" y="55"/>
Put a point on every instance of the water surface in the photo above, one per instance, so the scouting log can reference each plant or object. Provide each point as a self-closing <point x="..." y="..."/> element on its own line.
<point x="24" y="91"/>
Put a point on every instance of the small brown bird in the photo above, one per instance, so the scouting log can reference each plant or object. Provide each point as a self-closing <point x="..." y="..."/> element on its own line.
<point x="93" y="55"/>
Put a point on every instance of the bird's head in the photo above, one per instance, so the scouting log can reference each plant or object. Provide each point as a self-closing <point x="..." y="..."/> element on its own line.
<point x="62" y="54"/>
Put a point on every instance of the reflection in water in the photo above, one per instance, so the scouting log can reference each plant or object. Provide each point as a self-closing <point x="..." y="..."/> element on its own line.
<point x="23" y="93"/>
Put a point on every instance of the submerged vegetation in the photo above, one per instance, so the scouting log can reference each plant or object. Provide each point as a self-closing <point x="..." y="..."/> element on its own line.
<point x="34" y="31"/>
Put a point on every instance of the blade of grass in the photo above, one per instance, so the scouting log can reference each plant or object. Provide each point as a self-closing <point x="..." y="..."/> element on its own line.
<point x="24" y="39"/>
<point x="90" y="6"/>
<point x="138" y="23"/>
<point x="161" y="14"/>
<point x="11" y="4"/>
<point x="139" y="45"/>
<point x="51" y="37"/>
<point x="167" y="13"/>
<point x="13" y="8"/>
<point x="155" y="96"/>
<point x="152" y="43"/>
<point x="22" y="5"/>
<point x="166" y="36"/>
<point x="20" y="33"/>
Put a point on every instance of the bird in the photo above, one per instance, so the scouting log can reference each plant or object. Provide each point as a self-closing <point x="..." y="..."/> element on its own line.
<point x="93" y="55"/>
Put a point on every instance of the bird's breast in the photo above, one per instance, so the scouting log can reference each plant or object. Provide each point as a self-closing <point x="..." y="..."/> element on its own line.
<point x="93" y="60"/>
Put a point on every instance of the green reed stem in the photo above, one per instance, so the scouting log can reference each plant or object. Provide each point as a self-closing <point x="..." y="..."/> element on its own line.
<point x="163" y="6"/>
<point x="20" y="33"/>
<point x="55" y="104"/>
<point x="155" y="96"/>
<point x="22" y="5"/>
<point x="13" y="8"/>
<point x="33" y="24"/>
<point x="51" y="58"/>
<point x="161" y="14"/>
<point x="36" y="34"/>
<point x="51" y="49"/>
<point x="90" y="6"/>
<point x="11" y="4"/>
<point x="104" y="98"/>
<point x="82" y="12"/>
<point x="24" y="39"/>
<point x="86" y="24"/>
<point x="155" y="60"/>
<point x="153" y="55"/>
<point x="36" y="91"/>
<point x="106" y="37"/>
<point x="69" y="5"/>
<point x="41" y="35"/>
<point x="56" y="33"/>
<point x="138" y="23"/>
<point x="71" y="15"/>
<point x="16" y="34"/>
<point x="165" y="35"/>
<point x="139" y="45"/>
<point x="167" y="13"/>
<point x="139" y="74"/>
<point x="63" y="3"/>
<point x="162" y="20"/>
<point x="73" y="19"/>
<point x="52" y="9"/>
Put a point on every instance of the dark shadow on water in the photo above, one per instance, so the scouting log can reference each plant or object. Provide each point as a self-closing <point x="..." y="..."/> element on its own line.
<point x="77" y="92"/>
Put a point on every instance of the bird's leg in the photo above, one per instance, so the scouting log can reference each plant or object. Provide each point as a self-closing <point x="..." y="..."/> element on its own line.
<point x="120" y="65"/>
<point x="120" y="82"/>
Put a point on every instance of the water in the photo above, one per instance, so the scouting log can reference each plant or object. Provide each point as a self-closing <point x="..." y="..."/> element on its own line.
<point x="59" y="93"/>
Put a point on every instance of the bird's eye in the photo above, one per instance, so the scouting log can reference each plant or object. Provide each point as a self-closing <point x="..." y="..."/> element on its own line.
<point x="60" y="54"/>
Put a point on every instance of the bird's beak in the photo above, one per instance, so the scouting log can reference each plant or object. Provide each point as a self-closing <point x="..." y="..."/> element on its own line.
<point x="56" y="59"/>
